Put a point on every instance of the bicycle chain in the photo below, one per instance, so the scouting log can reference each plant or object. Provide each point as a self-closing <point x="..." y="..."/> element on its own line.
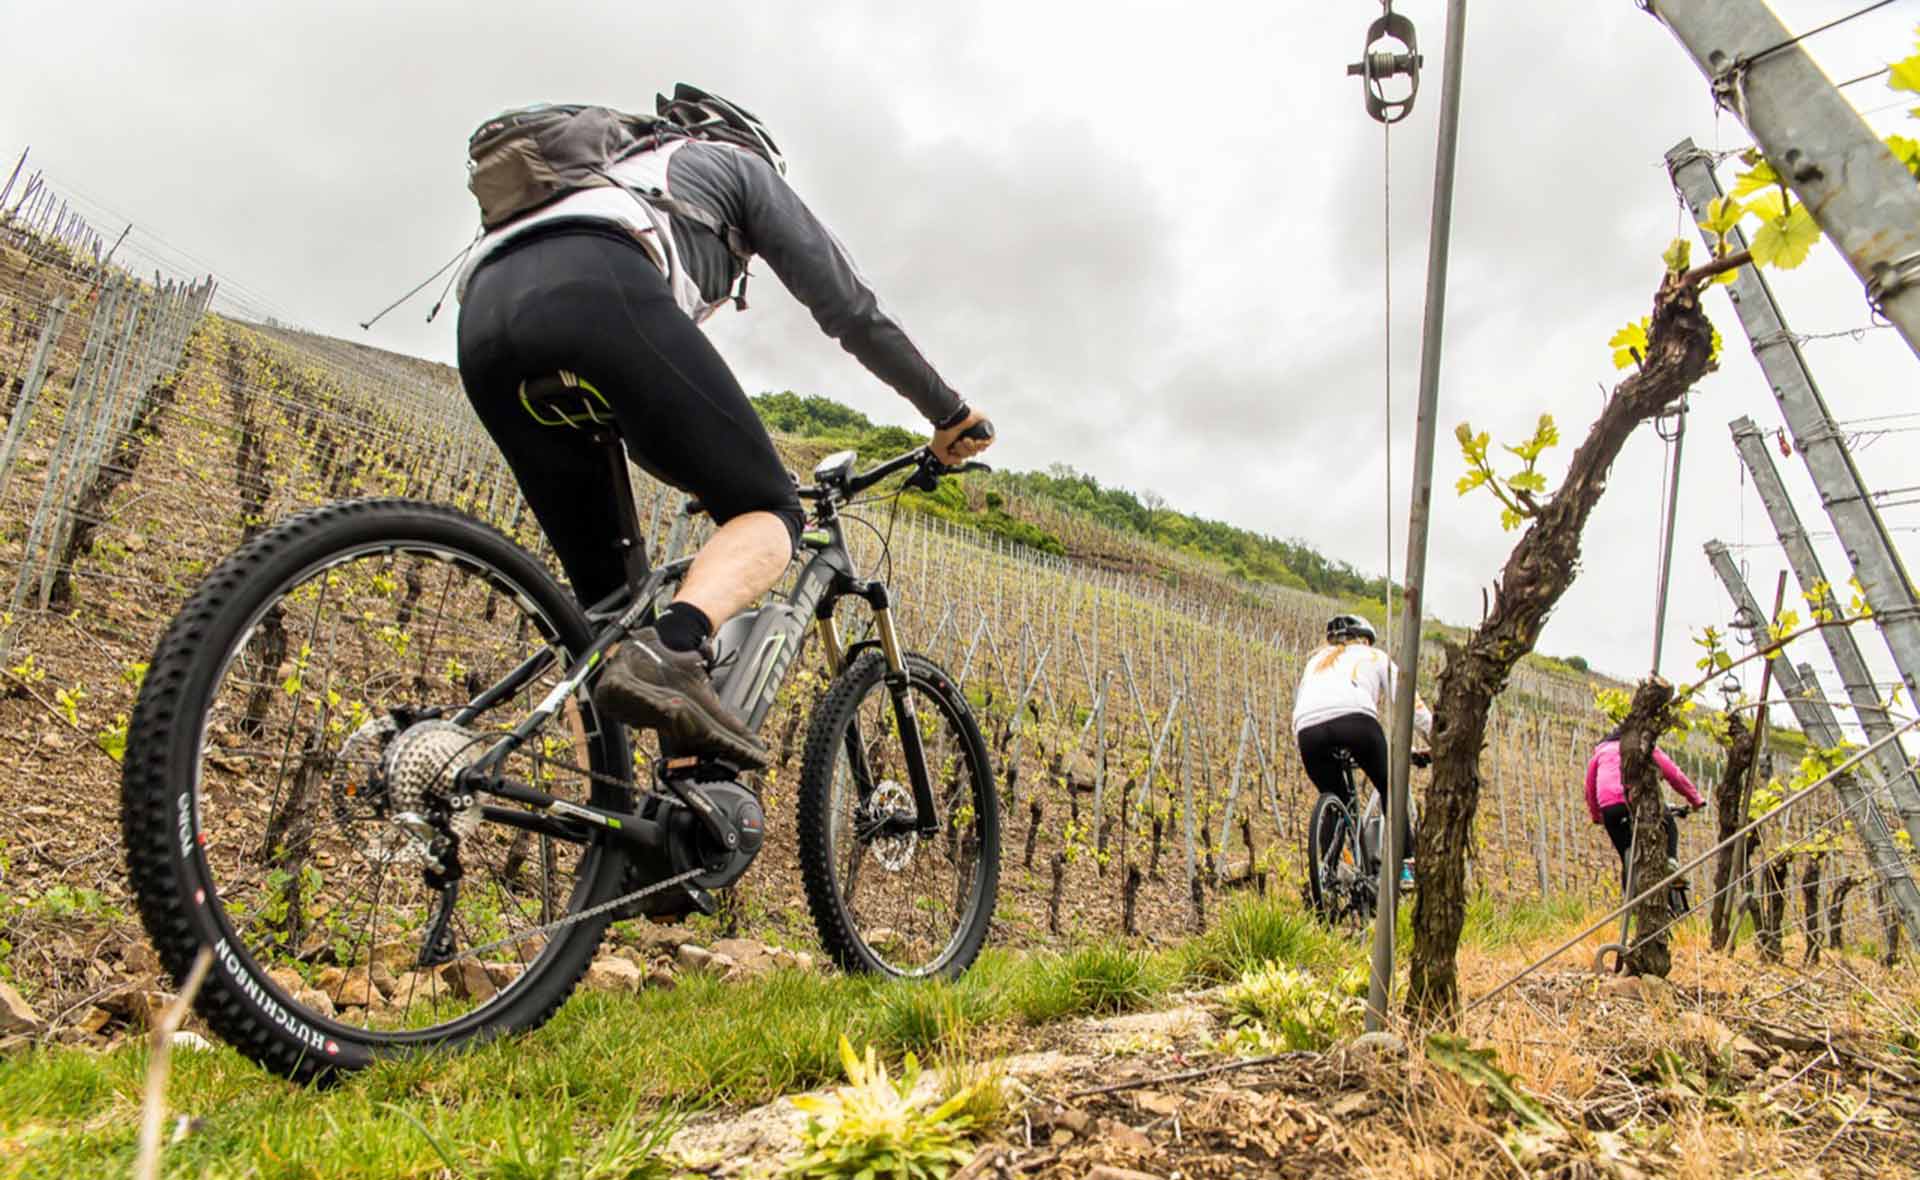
<point x="572" y="919"/>
<point x="598" y="776"/>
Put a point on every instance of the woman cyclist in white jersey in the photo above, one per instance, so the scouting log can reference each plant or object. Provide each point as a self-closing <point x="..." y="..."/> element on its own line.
<point x="1337" y="706"/>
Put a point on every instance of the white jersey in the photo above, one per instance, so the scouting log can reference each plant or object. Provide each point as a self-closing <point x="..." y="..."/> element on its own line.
<point x="1342" y="679"/>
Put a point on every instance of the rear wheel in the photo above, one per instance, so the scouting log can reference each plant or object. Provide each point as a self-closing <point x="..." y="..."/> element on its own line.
<point x="288" y="801"/>
<point x="898" y="902"/>
<point x="1333" y="875"/>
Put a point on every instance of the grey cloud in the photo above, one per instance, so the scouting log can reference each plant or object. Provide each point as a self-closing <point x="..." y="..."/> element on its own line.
<point x="1145" y="235"/>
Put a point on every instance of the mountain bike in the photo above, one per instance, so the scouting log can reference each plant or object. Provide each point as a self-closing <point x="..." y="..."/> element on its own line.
<point x="365" y="770"/>
<point x="1343" y="856"/>
<point x="1679" y="901"/>
<point x="1612" y="956"/>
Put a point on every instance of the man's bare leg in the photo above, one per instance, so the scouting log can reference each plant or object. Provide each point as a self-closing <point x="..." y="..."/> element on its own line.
<point x="739" y="563"/>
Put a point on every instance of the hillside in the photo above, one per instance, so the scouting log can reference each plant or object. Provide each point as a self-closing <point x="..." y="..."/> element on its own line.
<point x="1006" y="503"/>
<point x="1133" y="671"/>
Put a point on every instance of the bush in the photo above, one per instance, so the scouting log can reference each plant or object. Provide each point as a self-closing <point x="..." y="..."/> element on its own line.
<point x="1279" y="1008"/>
<point x="874" y="1126"/>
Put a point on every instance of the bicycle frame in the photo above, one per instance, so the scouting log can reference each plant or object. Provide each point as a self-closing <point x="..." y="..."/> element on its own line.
<point x="748" y="684"/>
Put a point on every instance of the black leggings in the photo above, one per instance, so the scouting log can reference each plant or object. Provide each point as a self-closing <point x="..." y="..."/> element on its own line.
<point x="1619" y="821"/>
<point x="1361" y="736"/>
<point x="588" y="302"/>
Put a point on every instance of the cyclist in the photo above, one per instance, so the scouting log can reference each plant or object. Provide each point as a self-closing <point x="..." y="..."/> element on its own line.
<point x="1607" y="799"/>
<point x="607" y="287"/>
<point x="1337" y="707"/>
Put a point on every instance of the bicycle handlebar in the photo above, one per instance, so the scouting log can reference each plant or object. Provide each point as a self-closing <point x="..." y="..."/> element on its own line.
<point x="928" y="471"/>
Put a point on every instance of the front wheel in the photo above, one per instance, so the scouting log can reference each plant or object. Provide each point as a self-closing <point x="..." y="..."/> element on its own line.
<point x="908" y="903"/>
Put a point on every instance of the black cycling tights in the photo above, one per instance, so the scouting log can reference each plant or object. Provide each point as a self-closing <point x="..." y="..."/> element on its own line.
<point x="1361" y="736"/>
<point x="1619" y="821"/>
<point x="588" y="302"/>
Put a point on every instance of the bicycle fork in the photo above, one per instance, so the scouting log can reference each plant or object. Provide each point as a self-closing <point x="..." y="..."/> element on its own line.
<point x="924" y="820"/>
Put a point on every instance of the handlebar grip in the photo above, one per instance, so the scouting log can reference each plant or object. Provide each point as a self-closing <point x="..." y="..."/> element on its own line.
<point x="981" y="431"/>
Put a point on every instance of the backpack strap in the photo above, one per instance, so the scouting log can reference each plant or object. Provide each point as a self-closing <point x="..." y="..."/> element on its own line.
<point x="735" y="241"/>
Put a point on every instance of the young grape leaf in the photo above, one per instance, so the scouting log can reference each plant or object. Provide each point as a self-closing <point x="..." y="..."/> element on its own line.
<point x="1761" y="176"/>
<point x="1471" y="480"/>
<point x="1904" y="74"/>
<point x="1678" y="256"/>
<point x="1472" y="446"/>
<point x="1785" y="241"/>
<point x="1629" y="344"/>
<point x="1723" y="213"/>
<point x="1768" y="206"/>
<point x="1528" y="481"/>
<point x="1905" y="150"/>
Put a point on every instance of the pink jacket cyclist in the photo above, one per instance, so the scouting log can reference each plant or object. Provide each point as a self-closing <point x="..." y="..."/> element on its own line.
<point x="1604" y="788"/>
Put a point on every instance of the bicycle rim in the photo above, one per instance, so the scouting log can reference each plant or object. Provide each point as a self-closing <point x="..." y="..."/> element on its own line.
<point x="315" y="886"/>
<point x="917" y="903"/>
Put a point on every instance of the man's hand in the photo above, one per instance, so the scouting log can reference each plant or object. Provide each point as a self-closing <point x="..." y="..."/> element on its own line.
<point x="952" y="450"/>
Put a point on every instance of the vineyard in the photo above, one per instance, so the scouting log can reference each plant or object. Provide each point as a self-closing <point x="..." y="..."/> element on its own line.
<point x="1137" y="700"/>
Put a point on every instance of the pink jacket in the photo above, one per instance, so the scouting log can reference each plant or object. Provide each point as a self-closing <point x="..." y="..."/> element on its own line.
<point x="1604" y="788"/>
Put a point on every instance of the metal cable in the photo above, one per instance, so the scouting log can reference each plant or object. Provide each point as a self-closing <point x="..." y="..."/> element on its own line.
<point x="1751" y="825"/>
<point x="1770" y="50"/>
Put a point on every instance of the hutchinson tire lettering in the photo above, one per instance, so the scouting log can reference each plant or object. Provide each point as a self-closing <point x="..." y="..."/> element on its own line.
<point x="255" y="994"/>
<point x="183" y="821"/>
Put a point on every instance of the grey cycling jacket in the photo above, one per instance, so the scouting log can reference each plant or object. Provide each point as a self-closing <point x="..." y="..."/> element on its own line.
<point x="738" y="188"/>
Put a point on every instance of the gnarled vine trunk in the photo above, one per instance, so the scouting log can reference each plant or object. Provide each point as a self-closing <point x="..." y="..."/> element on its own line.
<point x="1647" y="721"/>
<point x="1742" y="742"/>
<point x="1537" y="573"/>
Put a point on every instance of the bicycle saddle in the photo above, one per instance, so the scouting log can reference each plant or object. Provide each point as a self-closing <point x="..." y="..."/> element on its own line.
<point x="565" y="399"/>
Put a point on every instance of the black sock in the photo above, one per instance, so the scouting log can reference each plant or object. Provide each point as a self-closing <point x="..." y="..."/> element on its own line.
<point x="683" y="627"/>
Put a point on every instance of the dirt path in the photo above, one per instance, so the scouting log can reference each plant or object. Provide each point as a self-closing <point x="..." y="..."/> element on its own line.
<point x="1638" y="1082"/>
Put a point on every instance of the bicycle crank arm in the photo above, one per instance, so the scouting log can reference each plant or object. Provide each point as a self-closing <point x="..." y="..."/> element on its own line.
<point x="560" y="817"/>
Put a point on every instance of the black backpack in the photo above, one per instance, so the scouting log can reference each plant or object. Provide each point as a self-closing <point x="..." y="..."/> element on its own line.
<point x="524" y="159"/>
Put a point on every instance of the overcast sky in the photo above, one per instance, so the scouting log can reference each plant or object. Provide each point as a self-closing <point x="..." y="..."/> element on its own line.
<point x="1145" y="237"/>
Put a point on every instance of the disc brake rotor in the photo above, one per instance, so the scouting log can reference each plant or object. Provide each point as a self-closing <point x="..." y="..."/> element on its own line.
<point x="895" y="851"/>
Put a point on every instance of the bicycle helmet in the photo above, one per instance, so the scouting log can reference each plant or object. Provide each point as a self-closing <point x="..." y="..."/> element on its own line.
<point x="708" y="116"/>
<point x="1344" y="627"/>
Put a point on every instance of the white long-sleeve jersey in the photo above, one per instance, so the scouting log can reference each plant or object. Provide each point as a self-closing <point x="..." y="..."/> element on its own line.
<point x="1349" y="678"/>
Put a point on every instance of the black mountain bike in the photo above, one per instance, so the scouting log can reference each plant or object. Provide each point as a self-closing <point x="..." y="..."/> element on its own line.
<point x="365" y="770"/>
<point x="1679" y="899"/>
<point x="1343" y="855"/>
<point x="1612" y="956"/>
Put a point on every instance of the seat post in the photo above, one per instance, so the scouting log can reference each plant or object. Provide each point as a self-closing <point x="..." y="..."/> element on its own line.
<point x="632" y="546"/>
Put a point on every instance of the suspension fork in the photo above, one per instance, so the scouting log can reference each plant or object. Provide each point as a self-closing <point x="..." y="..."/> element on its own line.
<point x="831" y="647"/>
<point x="906" y="721"/>
<point x="903" y="711"/>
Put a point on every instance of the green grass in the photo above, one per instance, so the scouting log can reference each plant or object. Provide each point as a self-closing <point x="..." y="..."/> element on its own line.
<point x="581" y="1096"/>
<point x="1251" y="932"/>
<point x="1495" y="925"/>
<point x="573" y="1100"/>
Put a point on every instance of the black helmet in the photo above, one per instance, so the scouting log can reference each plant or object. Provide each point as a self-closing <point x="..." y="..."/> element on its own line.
<point x="712" y="117"/>
<point x="1341" y="627"/>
